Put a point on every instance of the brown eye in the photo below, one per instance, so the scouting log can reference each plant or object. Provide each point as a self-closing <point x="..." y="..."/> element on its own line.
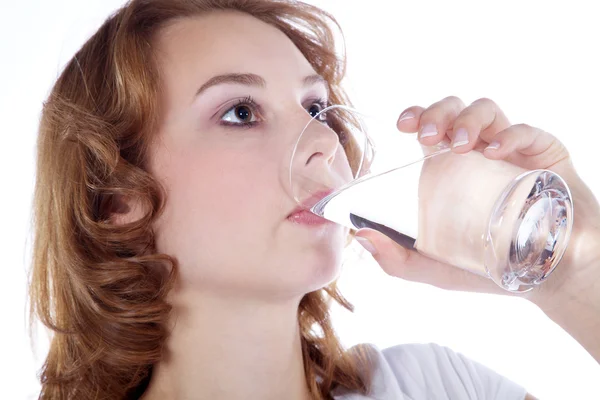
<point x="243" y="113"/>
<point x="314" y="109"/>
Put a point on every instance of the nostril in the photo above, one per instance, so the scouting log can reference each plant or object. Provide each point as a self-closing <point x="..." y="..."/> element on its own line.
<point x="310" y="158"/>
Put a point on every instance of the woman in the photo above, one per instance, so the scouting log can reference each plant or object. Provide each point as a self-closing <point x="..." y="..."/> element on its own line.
<point x="167" y="258"/>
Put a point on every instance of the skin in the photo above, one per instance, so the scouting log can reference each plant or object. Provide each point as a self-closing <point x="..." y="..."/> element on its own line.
<point x="243" y="265"/>
<point x="571" y="295"/>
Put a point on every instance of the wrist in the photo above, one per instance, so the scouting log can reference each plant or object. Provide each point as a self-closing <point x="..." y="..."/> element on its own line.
<point x="577" y="277"/>
<point x="571" y="295"/>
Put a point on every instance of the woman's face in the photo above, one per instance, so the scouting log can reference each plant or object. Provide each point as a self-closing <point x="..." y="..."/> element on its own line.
<point x="227" y="191"/>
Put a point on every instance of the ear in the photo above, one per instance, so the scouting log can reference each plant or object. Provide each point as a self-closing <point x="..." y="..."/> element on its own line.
<point x="125" y="210"/>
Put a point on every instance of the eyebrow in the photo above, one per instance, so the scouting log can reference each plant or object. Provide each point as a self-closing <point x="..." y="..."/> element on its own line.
<point x="255" y="80"/>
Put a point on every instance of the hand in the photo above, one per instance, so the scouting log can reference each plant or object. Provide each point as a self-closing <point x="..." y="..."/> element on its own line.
<point x="476" y="127"/>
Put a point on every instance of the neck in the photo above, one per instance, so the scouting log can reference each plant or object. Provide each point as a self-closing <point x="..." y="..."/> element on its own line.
<point x="223" y="348"/>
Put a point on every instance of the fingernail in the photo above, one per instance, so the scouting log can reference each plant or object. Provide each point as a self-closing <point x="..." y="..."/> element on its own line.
<point x="428" y="130"/>
<point x="493" y="146"/>
<point x="406" y="115"/>
<point x="461" y="138"/>
<point x="366" y="243"/>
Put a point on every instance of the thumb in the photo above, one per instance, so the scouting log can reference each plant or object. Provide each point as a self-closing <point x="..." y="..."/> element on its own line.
<point x="410" y="265"/>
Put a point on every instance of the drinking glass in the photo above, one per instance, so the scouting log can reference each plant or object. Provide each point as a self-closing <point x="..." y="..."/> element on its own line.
<point x="489" y="217"/>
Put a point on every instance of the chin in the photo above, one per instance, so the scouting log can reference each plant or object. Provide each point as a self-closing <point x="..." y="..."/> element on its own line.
<point x="322" y="270"/>
<point x="313" y="266"/>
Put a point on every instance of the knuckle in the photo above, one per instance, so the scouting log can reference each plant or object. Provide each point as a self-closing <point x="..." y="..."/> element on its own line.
<point x="485" y="101"/>
<point x="430" y="114"/>
<point x="447" y="108"/>
<point x="455" y="103"/>
<point x="467" y="117"/>
<point x="558" y="150"/>
<point x="522" y="127"/>
<point x="452" y="99"/>
<point x="553" y="155"/>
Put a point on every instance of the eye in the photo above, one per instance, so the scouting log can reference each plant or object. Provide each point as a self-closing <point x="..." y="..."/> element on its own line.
<point x="315" y="108"/>
<point x="240" y="114"/>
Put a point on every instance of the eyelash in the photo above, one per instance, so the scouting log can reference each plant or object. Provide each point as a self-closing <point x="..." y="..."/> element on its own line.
<point x="256" y="109"/>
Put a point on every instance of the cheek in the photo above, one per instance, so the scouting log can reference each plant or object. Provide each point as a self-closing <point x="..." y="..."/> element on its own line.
<point x="222" y="181"/>
<point x="237" y="192"/>
<point x="224" y="222"/>
<point x="218" y="202"/>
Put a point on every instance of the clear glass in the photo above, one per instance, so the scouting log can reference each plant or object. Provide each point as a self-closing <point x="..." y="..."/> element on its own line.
<point x="489" y="217"/>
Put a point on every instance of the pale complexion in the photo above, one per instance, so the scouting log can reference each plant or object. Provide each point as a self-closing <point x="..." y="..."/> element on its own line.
<point x="243" y="265"/>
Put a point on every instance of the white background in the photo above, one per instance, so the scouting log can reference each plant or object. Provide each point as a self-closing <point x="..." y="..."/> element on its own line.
<point x="537" y="59"/>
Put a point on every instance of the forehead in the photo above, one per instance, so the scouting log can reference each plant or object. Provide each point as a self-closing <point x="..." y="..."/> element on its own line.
<point x="227" y="41"/>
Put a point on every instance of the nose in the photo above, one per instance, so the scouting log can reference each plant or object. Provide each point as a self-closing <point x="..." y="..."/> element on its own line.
<point x="317" y="145"/>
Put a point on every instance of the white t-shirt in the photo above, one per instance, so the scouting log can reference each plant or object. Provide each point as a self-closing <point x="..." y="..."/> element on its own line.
<point x="430" y="371"/>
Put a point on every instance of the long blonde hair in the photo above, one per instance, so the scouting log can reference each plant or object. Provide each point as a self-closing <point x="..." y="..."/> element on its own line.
<point x="99" y="287"/>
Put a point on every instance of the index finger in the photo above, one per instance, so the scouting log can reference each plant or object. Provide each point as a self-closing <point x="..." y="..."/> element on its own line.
<point x="408" y="121"/>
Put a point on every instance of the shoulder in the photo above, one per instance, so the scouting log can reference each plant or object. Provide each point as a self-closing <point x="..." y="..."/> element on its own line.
<point x="424" y="371"/>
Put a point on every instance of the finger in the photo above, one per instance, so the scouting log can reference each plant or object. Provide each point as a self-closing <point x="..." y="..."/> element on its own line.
<point x="410" y="265"/>
<point x="482" y="119"/>
<point x="408" y="121"/>
<point x="439" y="118"/>
<point x="527" y="147"/>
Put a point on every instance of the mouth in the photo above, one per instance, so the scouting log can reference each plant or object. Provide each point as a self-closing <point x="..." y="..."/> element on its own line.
<point x="309" y="202"/>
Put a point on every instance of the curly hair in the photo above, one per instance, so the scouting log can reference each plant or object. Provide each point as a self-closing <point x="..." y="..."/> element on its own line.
<point x="101" y="287"/>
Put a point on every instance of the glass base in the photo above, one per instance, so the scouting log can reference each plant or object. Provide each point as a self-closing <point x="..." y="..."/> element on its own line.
<point x="528" y="231"/>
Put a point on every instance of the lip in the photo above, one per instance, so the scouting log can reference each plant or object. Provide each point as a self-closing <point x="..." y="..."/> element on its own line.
<point x="308" y="203"/>
<point x="305" y="217"/>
